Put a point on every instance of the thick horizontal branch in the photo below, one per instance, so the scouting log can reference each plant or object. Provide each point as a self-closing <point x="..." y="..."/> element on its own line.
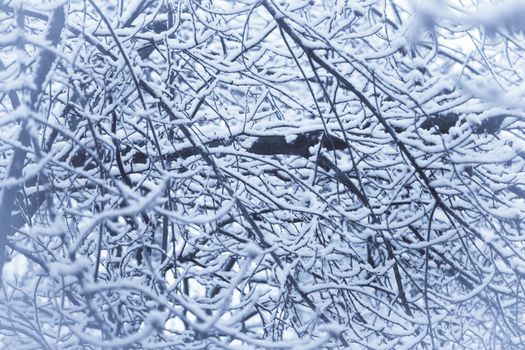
<point x="275" y="145"/>
<point x="443" y="123"/>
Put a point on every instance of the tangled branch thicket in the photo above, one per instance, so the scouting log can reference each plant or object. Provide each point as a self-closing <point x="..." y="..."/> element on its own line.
<point x="205" y="174"/>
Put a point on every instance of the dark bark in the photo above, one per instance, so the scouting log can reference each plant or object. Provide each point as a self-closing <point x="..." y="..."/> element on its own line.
<point x="443" y="123"/>
<point x="43" y="67"/>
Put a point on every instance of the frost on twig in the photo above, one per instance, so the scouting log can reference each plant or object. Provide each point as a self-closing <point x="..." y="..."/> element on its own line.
<point x="261" y="175"/>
